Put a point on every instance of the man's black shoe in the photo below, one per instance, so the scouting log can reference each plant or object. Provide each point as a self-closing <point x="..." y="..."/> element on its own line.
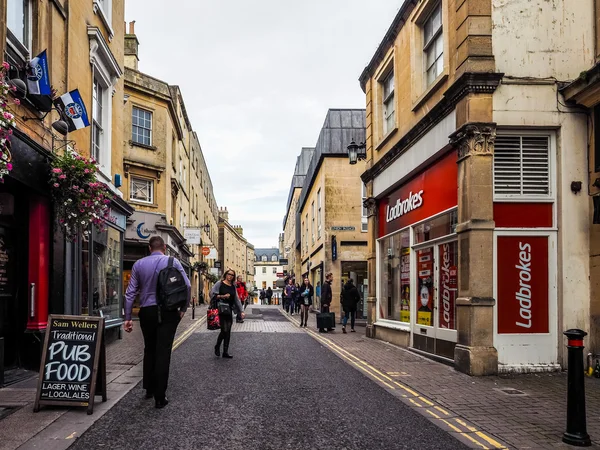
<point x="227" y="355"/>
<point x="161" y="403"/>
<point x="239" y="321"/>
<point x="149" y="394"/>
<point x="217" y="350"/>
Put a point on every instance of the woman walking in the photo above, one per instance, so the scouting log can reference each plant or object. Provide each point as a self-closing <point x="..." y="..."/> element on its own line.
<point x="306" y="299"/>
<point x="224" y="297"/>
<point x="298" y="299"/>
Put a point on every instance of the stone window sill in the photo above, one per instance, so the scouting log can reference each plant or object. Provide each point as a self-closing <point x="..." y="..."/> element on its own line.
<point x="385" y="139"/>
<point x="139" y="144"/>
<point x="430" y="91"/>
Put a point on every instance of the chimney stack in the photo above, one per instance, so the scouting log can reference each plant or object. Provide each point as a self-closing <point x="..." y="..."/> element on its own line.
<point x="131" y="47"/>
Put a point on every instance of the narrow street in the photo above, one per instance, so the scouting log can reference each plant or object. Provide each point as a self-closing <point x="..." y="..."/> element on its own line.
<point x="282" y="389"/>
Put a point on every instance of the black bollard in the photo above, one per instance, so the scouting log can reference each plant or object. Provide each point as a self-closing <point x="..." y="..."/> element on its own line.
<point x="193" y="310"/>
<point x="576" y="433"/>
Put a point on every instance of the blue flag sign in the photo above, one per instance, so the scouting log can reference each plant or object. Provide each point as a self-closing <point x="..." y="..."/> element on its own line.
<point x="72" y="110"/>
<point x="38" y="77"/>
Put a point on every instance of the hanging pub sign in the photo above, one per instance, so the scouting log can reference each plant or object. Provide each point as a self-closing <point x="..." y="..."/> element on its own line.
<point x="73" y="366"/>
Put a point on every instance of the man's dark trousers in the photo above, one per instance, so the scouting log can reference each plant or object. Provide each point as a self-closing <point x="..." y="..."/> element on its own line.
<point x="158" y="342"/>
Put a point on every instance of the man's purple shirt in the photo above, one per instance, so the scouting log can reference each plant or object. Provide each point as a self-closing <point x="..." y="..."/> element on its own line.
<point x="144" y="278"/>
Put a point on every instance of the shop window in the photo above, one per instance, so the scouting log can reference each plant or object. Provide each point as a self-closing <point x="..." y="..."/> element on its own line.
<point x="141" y="126"/>
<point x="433" y="45"/>
<point x="438" y="227"/>
<point x="141" y="190"/>
<point x="448" y="284"/>
<point x="18" y="18"/>
<point x="522" y="166"/>
<point x="394" y="302"/>
<point x="389" y="106"/>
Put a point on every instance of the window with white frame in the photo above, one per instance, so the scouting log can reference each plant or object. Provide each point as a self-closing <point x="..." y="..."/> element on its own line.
<point x="141" y="126"/>
<point x="264" y="270"/>
<point x="433" y="45"/>
<point x="522" y="166"/>
<point x="104" y="9"/>
<point x="181" y="171"/>
<point x="275" y="270"/>
<point x="319" y="214"/>
<point x="274" y="258"/>
<point x="141" y="190"/>
<point x="18" y="21"/>
<point x="312" y="225"/>
<point x="364" y="216"/>
<point x="97" y="120"/>
<point x="306" y="240"/>
<point x="389" y="105"/>
<point x="264" y="258"/>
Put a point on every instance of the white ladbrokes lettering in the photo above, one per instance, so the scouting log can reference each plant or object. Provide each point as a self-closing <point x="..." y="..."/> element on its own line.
<point x="446" y="292"/>
<point x="524" y="294"/>
<point x="401" y="207"/>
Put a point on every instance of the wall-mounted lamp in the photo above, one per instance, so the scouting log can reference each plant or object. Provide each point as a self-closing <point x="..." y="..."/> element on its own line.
<point x="21" y="87"/>
<point x="356" y="152"/>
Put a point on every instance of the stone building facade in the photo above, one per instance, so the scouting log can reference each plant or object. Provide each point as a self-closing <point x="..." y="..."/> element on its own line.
<point x="234" y="249"/>
<point x="479" y="234"/>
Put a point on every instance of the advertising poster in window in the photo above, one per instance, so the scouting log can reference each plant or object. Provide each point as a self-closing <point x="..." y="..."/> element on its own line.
<point x="523" y="284"/>
<point x="425" y="292"/>
<point x="448" y="284"/>
<point x="405" y="286"/>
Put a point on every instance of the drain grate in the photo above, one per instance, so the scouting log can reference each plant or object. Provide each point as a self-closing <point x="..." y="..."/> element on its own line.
<point x="511" y="391"/>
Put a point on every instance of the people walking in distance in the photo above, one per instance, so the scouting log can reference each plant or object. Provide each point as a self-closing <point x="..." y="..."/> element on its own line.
<point x="269" y="294"/>
<point x="242" y="293"/>
<point x="289" y="294"/>
<point x="158" y="326"/>
<point x="297" y="299"/>
<point x="326" y="297"/>
<point x="262" y="296"/>
<point x="224" y="297"/>
<point x="306" y="297"/>
<point x="350" y="300"/>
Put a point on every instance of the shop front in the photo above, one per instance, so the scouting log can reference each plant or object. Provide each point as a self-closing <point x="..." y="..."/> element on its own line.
<point x="417" y="259"/>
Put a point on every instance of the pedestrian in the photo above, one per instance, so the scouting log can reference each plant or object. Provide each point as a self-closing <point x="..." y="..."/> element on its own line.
<point x="289" y="294"/>
<point x="225" y="298"/>
<point x="350" y="299"/>
<point x="307" y="299"/>
<point x="262" y="296"/>
<point x="158" y="329"/>
<point x="242" y="293"/>
<point x="297" y="299"/>
<point x="326" y="297"/>
<point x="269" y="295"/>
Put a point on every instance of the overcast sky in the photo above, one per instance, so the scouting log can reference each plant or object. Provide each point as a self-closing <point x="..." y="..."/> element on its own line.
<point x="257" y="79"/>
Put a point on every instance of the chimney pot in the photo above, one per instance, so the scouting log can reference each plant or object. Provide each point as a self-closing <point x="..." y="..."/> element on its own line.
<point x="132" y="27"/>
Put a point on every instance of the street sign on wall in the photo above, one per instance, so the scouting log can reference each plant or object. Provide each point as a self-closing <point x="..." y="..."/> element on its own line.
<point x="192" y="235"/>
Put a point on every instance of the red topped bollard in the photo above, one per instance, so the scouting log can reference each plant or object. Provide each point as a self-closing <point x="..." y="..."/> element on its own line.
<point x="576" y="433"/>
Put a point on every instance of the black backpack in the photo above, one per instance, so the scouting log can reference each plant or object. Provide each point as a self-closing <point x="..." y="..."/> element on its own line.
<point x="171" y="289"/>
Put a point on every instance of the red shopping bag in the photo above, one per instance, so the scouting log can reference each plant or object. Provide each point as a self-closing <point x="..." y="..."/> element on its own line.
<point x="212" y="319"/>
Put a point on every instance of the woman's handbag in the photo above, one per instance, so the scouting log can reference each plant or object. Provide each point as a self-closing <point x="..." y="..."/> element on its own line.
<point x="224" y="308"/>
<point x="212" y="319"/>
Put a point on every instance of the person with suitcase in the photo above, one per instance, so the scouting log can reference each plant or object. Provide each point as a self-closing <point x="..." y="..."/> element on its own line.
<point x="326" y="297"/>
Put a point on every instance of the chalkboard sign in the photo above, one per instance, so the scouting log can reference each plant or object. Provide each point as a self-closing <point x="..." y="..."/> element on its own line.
<point x="73" y="366"/>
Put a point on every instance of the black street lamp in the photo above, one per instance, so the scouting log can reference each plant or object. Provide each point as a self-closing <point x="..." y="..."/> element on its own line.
<point x="356" y="152"/>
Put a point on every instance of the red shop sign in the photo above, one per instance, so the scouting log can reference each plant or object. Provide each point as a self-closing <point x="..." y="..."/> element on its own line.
<point x="522" y="284"/>
<point x="433" y="190"/>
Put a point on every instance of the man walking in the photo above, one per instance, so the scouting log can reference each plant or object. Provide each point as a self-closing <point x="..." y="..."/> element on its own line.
<point x="242" y="293"/>
<point x="350" y="300"/>
<point x="158" y="329"/>
<point x="326" y="297"/>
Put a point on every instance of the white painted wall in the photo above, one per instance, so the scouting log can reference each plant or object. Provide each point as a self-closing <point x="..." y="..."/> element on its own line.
<point x="269" y="277"/>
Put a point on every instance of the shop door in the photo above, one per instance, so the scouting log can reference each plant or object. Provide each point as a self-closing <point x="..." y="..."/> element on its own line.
<point x="436" y="289"/>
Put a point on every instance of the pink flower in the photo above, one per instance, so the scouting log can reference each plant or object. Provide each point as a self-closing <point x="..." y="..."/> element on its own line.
<point x="9" y="166"/>
<point x="81" y="190"/>
<point x="5" y="65"/>
<point x="62" y="177"/>
<point x="17" y="101"/>
<point x="86" y="171"/>
<point x="56" y="170"/>
<point x="75" y="187"/>
<point x="56" y="185"/>
<point x="7" y="115"/>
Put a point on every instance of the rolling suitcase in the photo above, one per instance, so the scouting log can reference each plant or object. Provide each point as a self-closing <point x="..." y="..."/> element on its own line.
<point x="325" y="320"/>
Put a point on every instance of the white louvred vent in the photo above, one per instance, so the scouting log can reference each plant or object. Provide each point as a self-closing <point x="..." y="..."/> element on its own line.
<point x="522" y="166"/>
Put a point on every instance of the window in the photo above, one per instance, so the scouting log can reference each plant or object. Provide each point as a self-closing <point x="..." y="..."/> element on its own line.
<point x="319" y="214"/>
<point x="433" y="45"/>
<point x="306" y="241"/>
<point x="394" y="302"/>
<point x="181" y="171"/>
<point x="97" y="120"/>
<point x="389" y="107"/>
<point x="264" y="258"/>
<point x="364" y="226"/>
<point x="141" y="190"/>
<point x="174" y="151"/>
<point x="522" y="166"/>
<point x="312" y="225"/>
<point x="104" y="9"/>
<point x="264" y="270"/>
<point x="18" y="17"/>
<point x="275" y="270"/>
<point x="274" y="258"/>
<point x="141" y="129"/>
<point x="597" y="139"/>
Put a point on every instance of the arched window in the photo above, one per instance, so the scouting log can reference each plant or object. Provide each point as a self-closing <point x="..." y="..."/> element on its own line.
<point x="274" y="258"/>
<point x="264" y="258"/>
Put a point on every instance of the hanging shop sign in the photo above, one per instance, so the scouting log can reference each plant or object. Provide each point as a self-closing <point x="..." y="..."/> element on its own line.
<point x="432" y="191"/>
<point x="522" y="284"/>
<point x="193" y="236"/>
<point x="73" y="366"/>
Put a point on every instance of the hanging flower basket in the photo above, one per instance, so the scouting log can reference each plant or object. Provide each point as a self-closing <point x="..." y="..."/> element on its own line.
<point x="7" y="122"/>
<point x="79" y="197"/>
<point x="211" y="277"/>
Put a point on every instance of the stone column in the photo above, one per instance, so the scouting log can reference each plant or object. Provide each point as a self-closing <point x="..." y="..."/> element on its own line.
<point x="475" y="353"/>
<point x="371" y="205"/>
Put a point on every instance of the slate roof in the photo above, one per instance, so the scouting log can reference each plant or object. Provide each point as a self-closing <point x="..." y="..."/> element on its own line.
<point x="269" y="252"/>
<point x="302" y="165"/>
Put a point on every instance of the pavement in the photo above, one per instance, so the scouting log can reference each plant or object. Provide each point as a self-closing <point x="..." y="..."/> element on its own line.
<point x="56" y="428"/>
<point x="295" y="388"/>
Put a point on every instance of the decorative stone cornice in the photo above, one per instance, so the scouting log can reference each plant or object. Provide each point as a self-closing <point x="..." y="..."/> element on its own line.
<point x="474" y="139"/>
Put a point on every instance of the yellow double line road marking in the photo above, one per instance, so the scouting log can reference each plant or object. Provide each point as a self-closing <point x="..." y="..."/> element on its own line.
<point x="418" y="401"/>
<point x="187" y="333"/>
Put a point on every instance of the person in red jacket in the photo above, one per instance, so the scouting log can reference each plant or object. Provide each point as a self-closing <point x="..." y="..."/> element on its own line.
<point x="242" y="292"/>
